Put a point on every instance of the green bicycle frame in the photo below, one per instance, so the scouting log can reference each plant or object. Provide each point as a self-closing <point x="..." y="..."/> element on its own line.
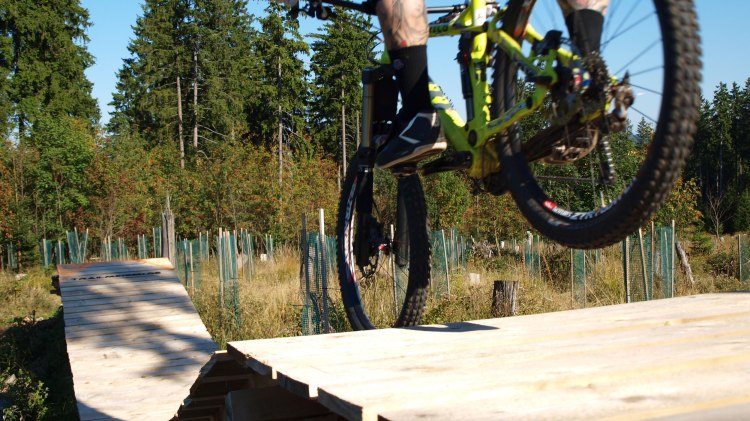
<point x="477" y="134"/>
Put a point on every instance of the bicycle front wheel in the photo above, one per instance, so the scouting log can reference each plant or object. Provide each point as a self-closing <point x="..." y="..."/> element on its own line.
<point x="587" y="186"/>
<point x="383" y="248"/>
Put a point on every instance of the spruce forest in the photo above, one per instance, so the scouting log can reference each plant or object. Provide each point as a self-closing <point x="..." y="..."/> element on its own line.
<point x="243" y="123"/>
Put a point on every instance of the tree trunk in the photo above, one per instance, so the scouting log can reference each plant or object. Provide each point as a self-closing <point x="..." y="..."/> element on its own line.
<point x="358" y="130"/>
<point x="280" y="124"/>
<point x="195" y="99"/>
<point x="179" y="121"/>
<point x="504" y="298"/>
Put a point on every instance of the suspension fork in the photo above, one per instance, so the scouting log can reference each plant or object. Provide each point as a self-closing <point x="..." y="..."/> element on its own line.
<point x="378" y="104"/>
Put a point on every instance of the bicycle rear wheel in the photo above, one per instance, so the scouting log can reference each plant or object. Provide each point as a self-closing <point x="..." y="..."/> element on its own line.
<point x="384" y="272"/>
<point x="600" y="198"/>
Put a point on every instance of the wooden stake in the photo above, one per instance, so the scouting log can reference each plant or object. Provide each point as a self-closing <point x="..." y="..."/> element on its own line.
<point x="504" y="298"/>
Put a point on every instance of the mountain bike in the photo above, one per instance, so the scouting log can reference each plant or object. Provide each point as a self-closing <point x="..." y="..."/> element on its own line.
<point x="543" y="122"/>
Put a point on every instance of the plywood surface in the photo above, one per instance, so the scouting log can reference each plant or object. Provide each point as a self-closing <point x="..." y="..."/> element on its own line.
<point x="681" y="357"/>
<point x="134" y="340"/>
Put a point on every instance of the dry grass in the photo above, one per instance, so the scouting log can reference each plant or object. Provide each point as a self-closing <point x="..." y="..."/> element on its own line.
<point x="26" y="297"/>
<point x="270" y="300"/>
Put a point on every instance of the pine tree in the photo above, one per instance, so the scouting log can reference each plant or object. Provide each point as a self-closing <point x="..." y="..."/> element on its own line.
<point x="279" y="88"/>
<point x="339" y="55"/>
<point x="644" y="133"/>
<point x="42" y="62"/>
<point x="188" y="80"/>
<point x="6" y="192"/>
<point x="147" y="99"/>
<point x="221" y="35"/>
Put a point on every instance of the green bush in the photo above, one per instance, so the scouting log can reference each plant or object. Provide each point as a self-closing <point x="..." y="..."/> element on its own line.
<point x="28" y="396"/>
<point x="721" y="263"/>
<point x="702" y="243"/>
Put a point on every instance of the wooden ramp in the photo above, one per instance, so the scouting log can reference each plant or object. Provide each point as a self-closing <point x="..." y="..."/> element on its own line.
<point x="686" y="358"/>
<point x="134" y="339"/>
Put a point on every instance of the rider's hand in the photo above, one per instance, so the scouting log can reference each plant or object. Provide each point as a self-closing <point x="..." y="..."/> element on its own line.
<point x="288" y="3"/>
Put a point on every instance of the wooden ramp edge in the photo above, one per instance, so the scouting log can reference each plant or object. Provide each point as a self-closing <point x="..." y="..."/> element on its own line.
<point x="681" y="358"/>
<point x="134" y="340"/>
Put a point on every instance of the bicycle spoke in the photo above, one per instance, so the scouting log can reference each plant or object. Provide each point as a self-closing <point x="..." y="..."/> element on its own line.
<point x="628" y="29"/>
<point x="637" y="56"/>
<point x="645" y="71"/>
<point x="643" y="114"/>
<point x="622" y="22"/>
<point x="649" y="90"/>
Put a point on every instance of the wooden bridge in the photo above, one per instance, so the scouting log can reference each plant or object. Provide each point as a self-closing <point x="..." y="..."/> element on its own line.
<point x="136" y="345"/>
<point x="686" y="358"/>
<point x="134" y="340"/>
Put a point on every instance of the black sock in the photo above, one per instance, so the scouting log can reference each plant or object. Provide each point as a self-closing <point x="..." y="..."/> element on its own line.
<point x="410" y="64"/>
<point x="585" y="29"/>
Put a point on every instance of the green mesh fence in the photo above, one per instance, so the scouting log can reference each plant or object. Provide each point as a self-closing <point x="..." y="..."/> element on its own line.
<point x="247" y="257"/>
<point x="640" y="268"/>
<point x="449" y="251"/>
<point x="60" y="253"/>
<point x="456" y="249"/>
<point x="77" y="246"/>
<point x="579" y="270"/>
<point x="440" y="268"/>
<point x="10" y="255"/>
<point x="204" y="246"/>
<point x="142" y="247"/>
<point x="188" y="264"/>
<point x="665" y="260"/>
<point x="47" y="252"/>
<point x="317" y="263"/>
<point x="156" y="232"/>
<point x="743" y="258"/>
<point x="532" y="255"/>
<point x="112" y="250"/>
<point x="226" y="256"/>
<point x="268" y="245"/>
<point x="650" y="264"/>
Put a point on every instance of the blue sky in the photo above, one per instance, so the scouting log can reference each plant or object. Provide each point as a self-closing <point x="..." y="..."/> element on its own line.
<point x="724" y="30"/>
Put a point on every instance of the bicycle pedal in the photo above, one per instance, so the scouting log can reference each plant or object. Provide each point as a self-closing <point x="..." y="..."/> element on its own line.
<point x="448" y="162"/>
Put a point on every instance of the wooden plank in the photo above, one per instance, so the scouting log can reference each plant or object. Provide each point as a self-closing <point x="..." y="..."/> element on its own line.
<point x="183" y="334"/>
<point x="83" y="292"/>
<point x="681" y="354"/>
<point x="120" y="319"/>
<point x="142" y="328"/>
<point x="73" y="270"/>
<point x="113" y="283"/>
<point x="151" y="366"/>
<point x="137" y="306"/>
<point x="151" y="299"/>
<point x="94" y="293"/>
<point x="131" y="356"/>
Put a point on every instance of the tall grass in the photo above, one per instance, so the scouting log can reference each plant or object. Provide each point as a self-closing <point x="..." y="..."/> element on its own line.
<point x="34" y="369"/>
<point x="270" y="300"/>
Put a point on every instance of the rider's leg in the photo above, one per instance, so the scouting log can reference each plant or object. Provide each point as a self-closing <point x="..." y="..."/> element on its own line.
<point x="584" y="19"/>
<point x="405" y="29"/>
